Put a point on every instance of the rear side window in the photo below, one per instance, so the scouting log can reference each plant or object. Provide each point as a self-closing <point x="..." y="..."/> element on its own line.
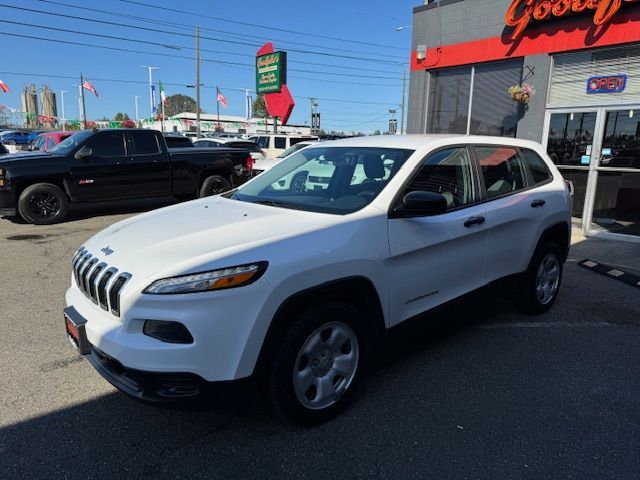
<point x="447" y="172"/>
<point x="539" y="171"/>
<point x="145" y="143"/>
<point x="502" y="170"/>
<point x="280" y="142"/>
<point x="108" y="144"/>
<point x="50" y="143"/>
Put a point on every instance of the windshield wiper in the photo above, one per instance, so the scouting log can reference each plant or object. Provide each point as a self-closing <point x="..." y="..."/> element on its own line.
<point x="277" y="203"/>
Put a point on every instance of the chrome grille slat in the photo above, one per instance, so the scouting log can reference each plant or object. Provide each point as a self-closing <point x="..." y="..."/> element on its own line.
<point x="99" y="282"/>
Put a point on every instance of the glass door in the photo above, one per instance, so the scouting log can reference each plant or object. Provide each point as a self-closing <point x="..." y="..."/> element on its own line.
<point x="569" y="138"/>
<point x="615" y="202"/>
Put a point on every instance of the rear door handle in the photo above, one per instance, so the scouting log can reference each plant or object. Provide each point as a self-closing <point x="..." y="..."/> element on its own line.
<point x="537" y="203"/>
<point x="474" y="221"/>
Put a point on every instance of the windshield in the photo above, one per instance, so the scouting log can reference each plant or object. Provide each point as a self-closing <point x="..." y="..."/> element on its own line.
<point x="293" y="148"/>
<point x="68" y="144"/>
<point x="336" y="180"/>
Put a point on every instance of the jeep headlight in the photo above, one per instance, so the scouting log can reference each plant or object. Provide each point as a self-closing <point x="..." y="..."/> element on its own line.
<point x="231" y="277"/>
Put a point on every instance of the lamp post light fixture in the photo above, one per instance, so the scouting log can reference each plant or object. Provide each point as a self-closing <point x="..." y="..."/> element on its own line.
<point x="150" y="69"/>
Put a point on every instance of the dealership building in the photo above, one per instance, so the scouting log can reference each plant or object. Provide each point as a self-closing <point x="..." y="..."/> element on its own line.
<point x="565" y="73"/>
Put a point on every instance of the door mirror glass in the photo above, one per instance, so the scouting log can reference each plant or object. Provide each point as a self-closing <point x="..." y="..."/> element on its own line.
<point x="84" y="153"/>
<point x="421" y="203"/>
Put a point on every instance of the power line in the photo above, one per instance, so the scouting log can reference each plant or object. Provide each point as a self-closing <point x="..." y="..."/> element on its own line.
<point x="222" y="87"/>
<point x="237" y="42"/>
<point x="228" y="64"/>
<point x="181" y="47"/>
<point x="184" y="26"/>
<point x="237" y="22"/>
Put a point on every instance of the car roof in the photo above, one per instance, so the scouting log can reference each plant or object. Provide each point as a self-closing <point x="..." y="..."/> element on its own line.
<point x="414" y="142"/>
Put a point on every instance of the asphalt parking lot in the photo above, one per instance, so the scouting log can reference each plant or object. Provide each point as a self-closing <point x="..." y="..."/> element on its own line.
<point x="480" y="392"/>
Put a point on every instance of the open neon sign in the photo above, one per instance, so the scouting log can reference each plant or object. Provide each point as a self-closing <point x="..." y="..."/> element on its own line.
<point x="609" y="84"/>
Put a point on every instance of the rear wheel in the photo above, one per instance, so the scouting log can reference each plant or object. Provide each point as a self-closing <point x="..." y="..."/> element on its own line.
<point x="214" y="185"/>
<point x="320" y="363"/>
<point x="43" y="204"/>
<point x="542" y="281"/>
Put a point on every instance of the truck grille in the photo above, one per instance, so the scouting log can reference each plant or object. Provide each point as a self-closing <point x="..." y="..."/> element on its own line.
<point x="99" y="282"/>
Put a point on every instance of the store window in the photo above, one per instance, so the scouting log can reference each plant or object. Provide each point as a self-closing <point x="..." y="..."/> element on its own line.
<point x="493" y="112"/>
<point x="571" y="137"/>
<point x="621" y="145"/>
<point x="449" y="93"/>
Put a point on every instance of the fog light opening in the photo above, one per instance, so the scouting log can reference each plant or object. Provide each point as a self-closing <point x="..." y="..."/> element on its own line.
<point x="169" y="332"/>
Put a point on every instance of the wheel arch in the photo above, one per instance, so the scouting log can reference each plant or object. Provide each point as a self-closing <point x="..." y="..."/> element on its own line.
<point x="359" y="291"/>
<point x="560" y="234"/>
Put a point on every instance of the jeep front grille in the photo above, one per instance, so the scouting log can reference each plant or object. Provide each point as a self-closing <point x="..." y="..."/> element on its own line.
<point x="99" y="282"/>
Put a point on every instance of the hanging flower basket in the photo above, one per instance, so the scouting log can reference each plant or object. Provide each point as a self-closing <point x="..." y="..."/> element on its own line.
<point x="522" y="93"/>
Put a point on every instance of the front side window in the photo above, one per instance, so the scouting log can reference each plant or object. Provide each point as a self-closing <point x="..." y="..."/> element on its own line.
<point x="145" y="143"/>
<point x="502" y="170"/>
<point x="336" y="180"/>
<point x="107" y="144"/>
<point x="262" y="141"/>
<point x="50" y="143"/>
<point x="447" y="172"/>
<point x="539" y="171"/>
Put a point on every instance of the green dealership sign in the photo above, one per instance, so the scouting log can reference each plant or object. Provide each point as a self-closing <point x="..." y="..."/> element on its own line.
<point x="271" y="72"/>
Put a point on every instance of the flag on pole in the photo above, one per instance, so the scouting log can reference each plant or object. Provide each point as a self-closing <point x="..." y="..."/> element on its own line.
<point x="163" y="95"/>
<point x="222" y="100"/>
<point x="4" y="87"/>
<point x="249" y="107"/>
<point x="87" y="85"/>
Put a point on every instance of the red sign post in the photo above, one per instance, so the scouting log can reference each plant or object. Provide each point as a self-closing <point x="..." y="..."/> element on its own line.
<point x="279" y="105"/>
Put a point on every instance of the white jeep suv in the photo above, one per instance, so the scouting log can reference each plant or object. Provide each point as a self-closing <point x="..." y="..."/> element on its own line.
<point x="296" y="287"/>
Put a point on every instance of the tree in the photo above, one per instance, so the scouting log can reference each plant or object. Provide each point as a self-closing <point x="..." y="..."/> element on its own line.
<point x="179" y="103"/>
<point x="259" y="107"/>
<point x="121" y="117"/>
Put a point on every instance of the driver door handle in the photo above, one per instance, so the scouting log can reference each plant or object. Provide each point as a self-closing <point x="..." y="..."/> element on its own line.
<point x="474" y="221"/>
<point x="538" y="203"/>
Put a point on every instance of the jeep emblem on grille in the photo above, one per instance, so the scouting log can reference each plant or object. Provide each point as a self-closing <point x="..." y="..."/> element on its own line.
<point x="107" y="251"/>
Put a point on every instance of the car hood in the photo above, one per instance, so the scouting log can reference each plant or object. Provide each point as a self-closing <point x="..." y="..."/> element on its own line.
<point x="21" y="157"/>
<point x="183" y="238"/>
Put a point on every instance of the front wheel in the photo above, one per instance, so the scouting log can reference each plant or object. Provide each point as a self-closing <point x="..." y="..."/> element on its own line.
<point x="43" y="204"/>
<point x="320" y="363"/>
<point x="214" y="185"/>
<point x="542" y="281"/>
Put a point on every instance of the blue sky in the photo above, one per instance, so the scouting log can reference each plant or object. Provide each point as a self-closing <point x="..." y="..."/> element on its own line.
<point x="377" y="80"/>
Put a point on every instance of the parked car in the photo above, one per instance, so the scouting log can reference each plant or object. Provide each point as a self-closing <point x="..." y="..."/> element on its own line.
<point x="274" y="144"/>
<point x="267" y="163"/>
<point x="296" y="288"/>
<point x="44" y="142"/>
<point x="177" y="141"/>
<point x="254" y="149"/>
<point x="98" y="165"/>
<point x="14" y="137"/>
<point x="33" y="134"/>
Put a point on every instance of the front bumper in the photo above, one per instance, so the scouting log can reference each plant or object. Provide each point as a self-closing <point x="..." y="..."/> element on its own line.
<point x="7" y="203"/>
<point x="173" y="388"/>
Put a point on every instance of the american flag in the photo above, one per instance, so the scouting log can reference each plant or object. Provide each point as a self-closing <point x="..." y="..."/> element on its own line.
<point x="222" y="100"/>
<point x="87" y="85"/>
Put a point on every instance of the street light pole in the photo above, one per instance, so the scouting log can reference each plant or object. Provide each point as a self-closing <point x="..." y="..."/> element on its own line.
<point x="404" y="86"/>
<point x="64" y="122"/>
<point x="198" y="82"/>
<point x="135" y="98"/>
<point x="150" y="69"/>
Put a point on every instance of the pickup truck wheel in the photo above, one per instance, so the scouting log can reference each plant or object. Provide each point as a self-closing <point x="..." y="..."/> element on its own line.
<point x="43" y="204"/>
<point x="320" y="364"/>
<point x="214" y="185"/>
<point x="542" y="281"/>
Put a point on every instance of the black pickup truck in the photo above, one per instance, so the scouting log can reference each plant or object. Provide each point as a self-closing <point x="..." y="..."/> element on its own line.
<point x="99" y="165"/>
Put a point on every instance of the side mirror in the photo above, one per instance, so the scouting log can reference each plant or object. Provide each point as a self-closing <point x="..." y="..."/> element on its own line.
<point x="421" y="203"/>
<point x="83" y="153"/>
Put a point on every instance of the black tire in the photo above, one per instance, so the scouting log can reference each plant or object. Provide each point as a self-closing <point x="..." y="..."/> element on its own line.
<point x="323" y="318"/>
<point x="214" y="185"/>
<point x="43" y="204"/>
<point x="298" y="181"/>
<point x="531" y="298"/>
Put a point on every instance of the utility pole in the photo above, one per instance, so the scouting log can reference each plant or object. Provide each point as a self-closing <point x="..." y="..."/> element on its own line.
<point x="218" y="109"/>
<point x="198" y="82"/>
<point x="64" y="121"/>
<point x="84" y="108"/>
<point x="404" y="81"/>
<point x="151" y="105"/>
<point x="314" y="105"/>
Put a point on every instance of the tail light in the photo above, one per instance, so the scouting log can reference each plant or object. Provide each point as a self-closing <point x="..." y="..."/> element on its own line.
<point x="250" y="162"/>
